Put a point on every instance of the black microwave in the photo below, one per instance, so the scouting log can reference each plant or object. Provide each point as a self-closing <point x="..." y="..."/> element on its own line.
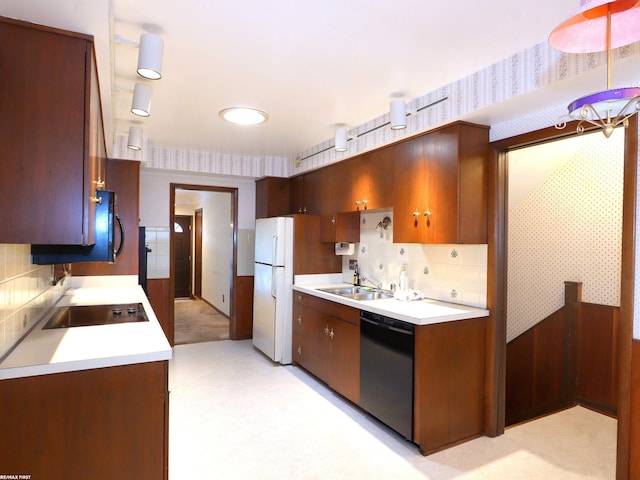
<point x="101" y="251"/>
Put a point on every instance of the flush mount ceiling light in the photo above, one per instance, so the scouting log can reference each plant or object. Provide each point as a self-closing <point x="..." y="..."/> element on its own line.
<point x="150" y="56"/>
<point x="243" y="115"/>
<point x="590" y="30"/>
<point x="134" y="141"/>
<point x="141" y="103"/>
<point x="398" y="114"/>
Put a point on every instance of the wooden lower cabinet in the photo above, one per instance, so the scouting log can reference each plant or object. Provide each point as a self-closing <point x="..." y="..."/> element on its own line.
<point x="326" y="342"/>
<point x="100" y="424"/>
<point x="449" y="383"/>
<point x="449" y="367"/>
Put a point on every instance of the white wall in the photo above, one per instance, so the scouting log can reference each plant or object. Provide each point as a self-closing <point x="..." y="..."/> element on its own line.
<point x="154" y="195"/>
<point x="217" y="249"/>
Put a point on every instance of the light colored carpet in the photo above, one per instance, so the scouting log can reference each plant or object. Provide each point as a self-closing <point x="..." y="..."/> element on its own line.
<point x="235" y="415"/>
<point x="196" y="321"/>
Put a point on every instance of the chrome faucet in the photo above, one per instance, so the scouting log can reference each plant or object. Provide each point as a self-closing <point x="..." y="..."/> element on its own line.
<point x="372" y="280"/>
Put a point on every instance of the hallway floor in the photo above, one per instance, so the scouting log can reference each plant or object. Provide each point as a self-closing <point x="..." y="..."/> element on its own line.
<point x="234" y="415"/>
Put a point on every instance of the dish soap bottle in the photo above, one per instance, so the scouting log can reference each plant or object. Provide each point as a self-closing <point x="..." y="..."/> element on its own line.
<point x="356" y="276"/>
<point x="402" y="284"/>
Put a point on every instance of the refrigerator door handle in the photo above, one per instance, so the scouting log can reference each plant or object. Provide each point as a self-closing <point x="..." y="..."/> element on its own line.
<point x="273" y="282"/>
<point x="274" y="251"/>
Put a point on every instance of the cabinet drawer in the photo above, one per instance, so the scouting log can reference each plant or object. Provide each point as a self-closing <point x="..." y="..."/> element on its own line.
<point x="300" y="298"/>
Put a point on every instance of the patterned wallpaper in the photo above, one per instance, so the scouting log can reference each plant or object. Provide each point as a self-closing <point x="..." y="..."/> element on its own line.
<point x="567" y="229"/>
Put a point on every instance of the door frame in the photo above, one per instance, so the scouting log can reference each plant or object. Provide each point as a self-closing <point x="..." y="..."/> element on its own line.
<point x="234" y="269"/>
<point x="190" y="252"/>
<point x="497" y="275"/>
<point x="197" y="253"/>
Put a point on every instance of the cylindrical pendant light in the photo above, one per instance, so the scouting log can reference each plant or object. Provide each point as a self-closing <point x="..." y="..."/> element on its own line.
<point x="398" y="114"/>
<point x="134" y="142"/>
<point x="150" y="56"/>
<point x="341" y="139"/>
<point x="141" y="103"/>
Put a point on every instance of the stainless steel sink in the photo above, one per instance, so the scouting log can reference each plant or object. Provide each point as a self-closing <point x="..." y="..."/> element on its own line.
<point x="359" y="293"/>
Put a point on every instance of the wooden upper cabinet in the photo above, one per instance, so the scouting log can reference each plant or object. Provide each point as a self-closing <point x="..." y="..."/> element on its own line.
<point x="296" y="195"/>
<point x="340" y="227"/>
<point x="372" y="177"/>
<point x="272" y="197"/>
<point x="441" y="193"/>
<point x="318" y="192"/>
<point x="51" y="135"/>
<point x="309" y="254"/>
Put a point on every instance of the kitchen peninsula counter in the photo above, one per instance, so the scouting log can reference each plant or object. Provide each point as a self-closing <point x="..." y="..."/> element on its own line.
<point x="71" y="349"/>
<point x="418" y="312"/>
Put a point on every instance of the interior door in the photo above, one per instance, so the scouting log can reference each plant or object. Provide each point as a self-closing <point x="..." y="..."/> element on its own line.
<point x="182" y="256"/>
<point x="197" y="241"/>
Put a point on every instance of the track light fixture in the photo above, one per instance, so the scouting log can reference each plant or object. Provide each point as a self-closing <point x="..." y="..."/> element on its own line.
<point x="141" y="103"/>
<point x="341" y="139"/>
<point x="150" y="51"/>
<point x="398" y="114"/>
<point x="134" y="141"/>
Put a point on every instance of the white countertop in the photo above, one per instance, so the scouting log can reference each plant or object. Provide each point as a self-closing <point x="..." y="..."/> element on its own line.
<point x="59" y="350"/>
<point x="419" y="312"/>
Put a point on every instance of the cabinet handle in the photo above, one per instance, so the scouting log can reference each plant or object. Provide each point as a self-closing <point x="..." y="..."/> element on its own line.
<point x="326" y="330"/>
<point x="100" y="184"/>
<point x="427" y="213"/>
<point x="333" y="220"/>
<point x="299" y="350"/>
<point x="304" y="210"/>
<point x="364" y="202"/>
<point x="416" y="213"/>
<point x="299" y="319"/>
<point x="331" y="334"/>
<point x="97" y="200"/>
<point x="299" y="297"/>
<point x="357" y="204"/>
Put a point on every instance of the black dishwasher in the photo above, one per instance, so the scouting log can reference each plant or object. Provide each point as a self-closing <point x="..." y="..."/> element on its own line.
<point x="386" y="370"/>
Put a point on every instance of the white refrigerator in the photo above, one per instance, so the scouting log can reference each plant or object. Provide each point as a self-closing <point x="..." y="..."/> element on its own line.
<point x="273" y="278"/>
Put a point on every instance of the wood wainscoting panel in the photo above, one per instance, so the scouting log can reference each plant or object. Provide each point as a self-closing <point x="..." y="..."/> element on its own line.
<point x="162" y="303"/>
<point x="537" y="370"/>
<point x="597" y="358"/>
<point x="242" y="326"/>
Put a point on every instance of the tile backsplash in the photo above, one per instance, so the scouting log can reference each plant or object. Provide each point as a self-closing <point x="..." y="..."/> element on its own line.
<point x="157" y="239"/>
<point x="26" y="293"/>
<point x="451" y="273"/>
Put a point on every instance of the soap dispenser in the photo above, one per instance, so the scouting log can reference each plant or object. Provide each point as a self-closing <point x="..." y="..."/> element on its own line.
<point x="402" y="284"/>
<point x="356" y="276"/>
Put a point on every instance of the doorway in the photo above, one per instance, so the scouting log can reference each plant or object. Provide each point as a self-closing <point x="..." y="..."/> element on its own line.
<point x="212" y="270"/>
<point x="182" y="256"/>
<point x="497" y="278"/>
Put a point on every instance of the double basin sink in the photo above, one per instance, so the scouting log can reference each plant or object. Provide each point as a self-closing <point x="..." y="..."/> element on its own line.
<point x="359" y="293"/>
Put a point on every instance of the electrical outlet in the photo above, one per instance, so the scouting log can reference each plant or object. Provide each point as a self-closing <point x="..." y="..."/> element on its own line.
<point x="352" y="264"/>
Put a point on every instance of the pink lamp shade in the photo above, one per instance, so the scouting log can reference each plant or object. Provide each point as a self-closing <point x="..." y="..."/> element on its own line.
<point x="586" y="31"/>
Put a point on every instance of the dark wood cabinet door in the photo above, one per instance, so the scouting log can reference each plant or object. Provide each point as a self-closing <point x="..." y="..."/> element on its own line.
<point x="410" y="191"/>
<point x="440" y="153"/>
<point x="296" y="195"/>
<point x="318" y="191"/>
<point x="49" y="142"/>
<point x="272" y="197"/>
<point x="317" y="344"/>
<point x="344" y="345"/>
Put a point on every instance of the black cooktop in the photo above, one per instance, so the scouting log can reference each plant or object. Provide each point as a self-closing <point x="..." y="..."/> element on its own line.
<point x="87" y="315"/>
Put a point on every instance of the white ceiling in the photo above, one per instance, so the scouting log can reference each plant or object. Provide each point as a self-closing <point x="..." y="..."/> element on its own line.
<point x="311" y="64"/>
